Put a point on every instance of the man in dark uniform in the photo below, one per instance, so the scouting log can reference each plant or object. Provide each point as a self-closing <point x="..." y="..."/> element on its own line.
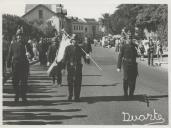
<point x="51" y="54"/>
<point x="20" y="66"/>
<point x="42" y="48"/>
<point x="6" y="45"/>
<point x="123" y="33"/>
<point x="150" y="52"/>
<point x="87" y="48"/>
<point x="72" y="59"/>
<point x="127" y="57"/>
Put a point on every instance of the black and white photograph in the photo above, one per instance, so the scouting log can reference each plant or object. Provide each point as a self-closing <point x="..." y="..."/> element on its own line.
<point x="84" y="62"/>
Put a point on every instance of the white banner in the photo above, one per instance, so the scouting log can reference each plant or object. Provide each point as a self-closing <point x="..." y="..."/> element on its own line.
<point x="64" y="43"/>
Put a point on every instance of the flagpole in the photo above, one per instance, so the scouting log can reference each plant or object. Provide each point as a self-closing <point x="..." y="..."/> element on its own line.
<point x="93" y="60"/>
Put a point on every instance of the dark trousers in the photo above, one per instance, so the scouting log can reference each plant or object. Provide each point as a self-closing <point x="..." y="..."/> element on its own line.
<point x="150" y="58"/>
<point x="59" y="76"/>
<point x="129" y="83"/>
<point x="4" y="62"/>
<point x="58" y="73"/>
<point x="42" y="58"/>
<point x="19" y="79"/>
<point x="74" y="79"/>
<point x="130" y="72"/>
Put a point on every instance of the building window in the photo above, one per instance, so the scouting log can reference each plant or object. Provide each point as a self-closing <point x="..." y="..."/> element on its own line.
<point x="40" y="14"/>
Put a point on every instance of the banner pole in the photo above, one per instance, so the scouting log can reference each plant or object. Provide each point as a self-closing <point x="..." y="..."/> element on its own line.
<point x="93" y="60"/>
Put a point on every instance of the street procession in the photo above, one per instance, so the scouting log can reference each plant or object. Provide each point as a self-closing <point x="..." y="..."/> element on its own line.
<point x="60" y="69"/>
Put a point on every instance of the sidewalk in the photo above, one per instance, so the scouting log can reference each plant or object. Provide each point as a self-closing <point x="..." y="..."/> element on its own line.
<point x="163" y="66"/>
<point x="7" y="75"/>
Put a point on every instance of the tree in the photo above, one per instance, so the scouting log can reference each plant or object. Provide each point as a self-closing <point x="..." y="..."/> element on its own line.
<point x="105" y="22"/>
<point x="153" y="17"/>
<point x="11" y="23"/>
<point x="48" y="29"/>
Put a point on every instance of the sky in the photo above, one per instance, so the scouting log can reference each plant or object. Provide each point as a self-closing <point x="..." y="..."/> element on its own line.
<point x="76" y="8"/>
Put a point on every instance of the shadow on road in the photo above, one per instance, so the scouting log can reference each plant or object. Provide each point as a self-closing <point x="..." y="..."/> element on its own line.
<point x="115" y="84"/>
<point x="35" y="96"/>
<point x="104" y="85"/>
<point x="141" y="98"/>
<point x="31" y="122"/>
<point x="41" y="98"/>
<point x="158" y="96"/>
<point x="91" y="75"/>
<point x="38" y="116"/>
<point x="37" y="103"/>
<point x="31" y="89"/>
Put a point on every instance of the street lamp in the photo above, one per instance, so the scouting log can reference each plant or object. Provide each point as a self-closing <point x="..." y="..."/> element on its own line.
<point x="61" y="12"/>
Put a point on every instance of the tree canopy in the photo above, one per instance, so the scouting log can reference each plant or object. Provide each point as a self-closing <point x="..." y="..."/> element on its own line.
<point x="153" y="17"/>
<point x="11" y="23"/>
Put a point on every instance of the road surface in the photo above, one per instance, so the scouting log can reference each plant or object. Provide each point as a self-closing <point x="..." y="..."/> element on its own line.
<point x="102" y="101"/>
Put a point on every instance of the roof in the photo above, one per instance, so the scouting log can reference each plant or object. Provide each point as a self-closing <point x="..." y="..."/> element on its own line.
<point x="37" y="7"/>
<point x="90" y="20"/>
<point x="75" y="20"/>
<point x="82" y="21"/>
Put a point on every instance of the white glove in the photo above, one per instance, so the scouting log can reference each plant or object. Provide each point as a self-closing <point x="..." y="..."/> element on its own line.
<point x="71" y="63"/>
<point x="28" y="55"/>
<point x="87" y="56"/>
<point x="118" y="69"/>
<point x="48" y="63"/>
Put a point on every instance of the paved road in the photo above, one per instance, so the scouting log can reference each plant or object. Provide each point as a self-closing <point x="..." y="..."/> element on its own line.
<point x="101" y="103"/>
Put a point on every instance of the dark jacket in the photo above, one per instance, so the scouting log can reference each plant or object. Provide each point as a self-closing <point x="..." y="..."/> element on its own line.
<point x="17" y="53"/>
<point x="73" y="55"/>
<point x="151" y="48"/>
<point x="42" y="47"/>
<point x="127" y="57"/>
<point x="5" y="49"/>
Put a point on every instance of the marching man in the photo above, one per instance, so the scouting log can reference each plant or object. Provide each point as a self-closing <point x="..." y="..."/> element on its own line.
<point x="51" y="55"/>
<point x="17" y="59"/>
<point x="72" y="60"/>
<point x="127" y="57"/>
<point x="87" y="48"/>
